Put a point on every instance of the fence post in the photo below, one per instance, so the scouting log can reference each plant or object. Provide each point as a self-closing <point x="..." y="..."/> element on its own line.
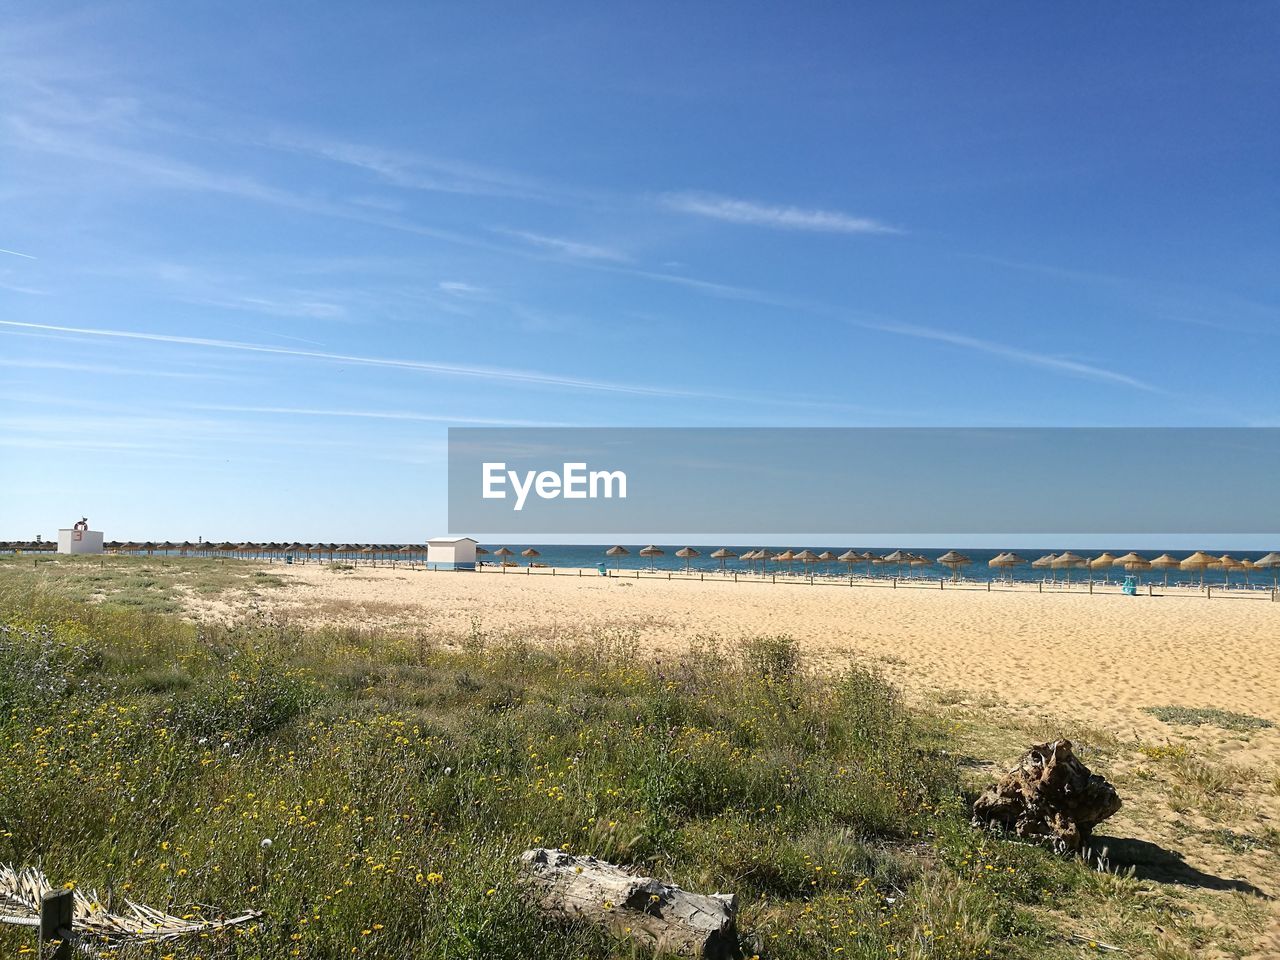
<point x="940" y="582"/>
<point x="1091" y="588"/>
<point x="56" y="910"/>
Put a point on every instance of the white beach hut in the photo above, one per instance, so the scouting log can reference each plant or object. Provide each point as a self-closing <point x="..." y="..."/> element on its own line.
<point x="80" y="539"/>
<point x="452" y="553"/>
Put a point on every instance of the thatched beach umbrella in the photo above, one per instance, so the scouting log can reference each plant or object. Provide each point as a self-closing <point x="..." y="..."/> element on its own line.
<point x="1166" y="563"/>
<point x="1005" y="562"/>
<point x="686" y="554"/>
<point x="530" y="554"/>
<point x="1103" y="561"/>
<point x="1045" y="562"/>
<point x="826" y="556"/>
<point x="1271" y="561"/>
<point x="807" y="557"/>
<point x="954" y="561"/>
<point x="1133" y="562"/>
<point x="503" y="552"/>
<point x="723" y="554"/>
<point x="650" y="552"/>
<point x="786" y="556"/>
<point x="1246" y="566"/>
<point x="850" y="557"/>
<point x="899" y="557"/>
<point x="619" y="552"/>
<point x="1198" y="561"/>
<point x="1228" y="563"/>
<point x="1068" y="561"/>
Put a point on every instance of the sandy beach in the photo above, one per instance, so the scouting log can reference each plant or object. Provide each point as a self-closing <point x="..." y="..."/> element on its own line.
<point x="1095" y="660"/>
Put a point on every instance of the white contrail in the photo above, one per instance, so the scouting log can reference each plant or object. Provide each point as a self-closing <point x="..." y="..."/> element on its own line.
<point x="15" y="253"/>
<point x="458" y="370"/>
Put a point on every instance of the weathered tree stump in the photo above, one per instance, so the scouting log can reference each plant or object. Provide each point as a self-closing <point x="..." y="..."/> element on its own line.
<point x="1049" y="794"/>
<point x="659" y="915"/>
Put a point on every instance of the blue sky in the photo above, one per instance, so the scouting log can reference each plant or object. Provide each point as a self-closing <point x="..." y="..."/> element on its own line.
<point x="256" y="261"/>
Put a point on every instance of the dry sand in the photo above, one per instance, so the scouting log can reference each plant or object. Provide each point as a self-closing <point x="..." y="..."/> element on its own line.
<point x="1093" y="659"/>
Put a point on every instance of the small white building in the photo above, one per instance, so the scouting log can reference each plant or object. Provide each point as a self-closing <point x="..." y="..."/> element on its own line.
<point x="80" y="539"/>
<point x="452" y="553"/>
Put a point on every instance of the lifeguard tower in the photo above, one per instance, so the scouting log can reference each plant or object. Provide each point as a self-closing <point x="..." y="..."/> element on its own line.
<point x="80" y="539"/>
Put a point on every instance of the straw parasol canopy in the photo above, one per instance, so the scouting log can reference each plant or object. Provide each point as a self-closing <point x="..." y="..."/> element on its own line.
<point x="899" y="557"/>
<point x="723" y="554"/>
<point x="1006" y="561"/>
<point x="1165" y="562"/>
<point x="686" y="554"/>
<point x="1271" y="561"/>
<point x="1198" y="561"/>
<point x="503" y="552"/>
<point x="1104" y="562"/>
<point x="850" y="557"/>
<point x="1068" y="561"/>
<point x="954" y="561"/>
<point x="650" y="552"/>
<point x="529" y="553"/>
<point x="1248" y="567"/>
<point x="1229" y="563"/>
<point x="807" y="557"/>
<point x="618" y="551"/>
<point x="786" y="556"/>
<point x="1133" y="562"/>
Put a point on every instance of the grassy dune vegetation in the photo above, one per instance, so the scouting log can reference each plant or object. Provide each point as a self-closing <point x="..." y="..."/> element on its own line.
<point x="398" y="777"/>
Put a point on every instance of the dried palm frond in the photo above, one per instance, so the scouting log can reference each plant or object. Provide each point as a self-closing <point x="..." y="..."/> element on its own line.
<point x="21" y="891"/>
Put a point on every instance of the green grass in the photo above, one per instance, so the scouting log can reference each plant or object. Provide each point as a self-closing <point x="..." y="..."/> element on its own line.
<point x="398" y="778"/>
<point x="1199" y="716"/>
<point x="150" y="584"/>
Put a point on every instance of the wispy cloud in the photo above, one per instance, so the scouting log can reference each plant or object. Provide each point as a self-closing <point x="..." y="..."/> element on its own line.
<point x="570" y="248"/>
<point x="404" y="415"/>
<point x="23" y="363"/>
<point x="1011" y="353"/>
<point x="414" y="171"/>
<point x="15" y="253"/>
<point x="308" y="309"/>
<point x="497" y="374"/>
<point x="757" y="214"/>
<point x="458" y="288"/>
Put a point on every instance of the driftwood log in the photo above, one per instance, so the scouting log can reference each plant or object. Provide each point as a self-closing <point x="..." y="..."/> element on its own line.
<point x="660" y="916"/>
<point x="1050" y="794"/>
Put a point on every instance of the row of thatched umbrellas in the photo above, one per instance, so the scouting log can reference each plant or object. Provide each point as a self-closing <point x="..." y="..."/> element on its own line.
<point x="1136" y="563"/>
<point x="187" y="548"/>
<point x="956" y="561"/>
<point x="952" y="559"/>
<point x="764" y="557"/>
<point x="29" y="545"/>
